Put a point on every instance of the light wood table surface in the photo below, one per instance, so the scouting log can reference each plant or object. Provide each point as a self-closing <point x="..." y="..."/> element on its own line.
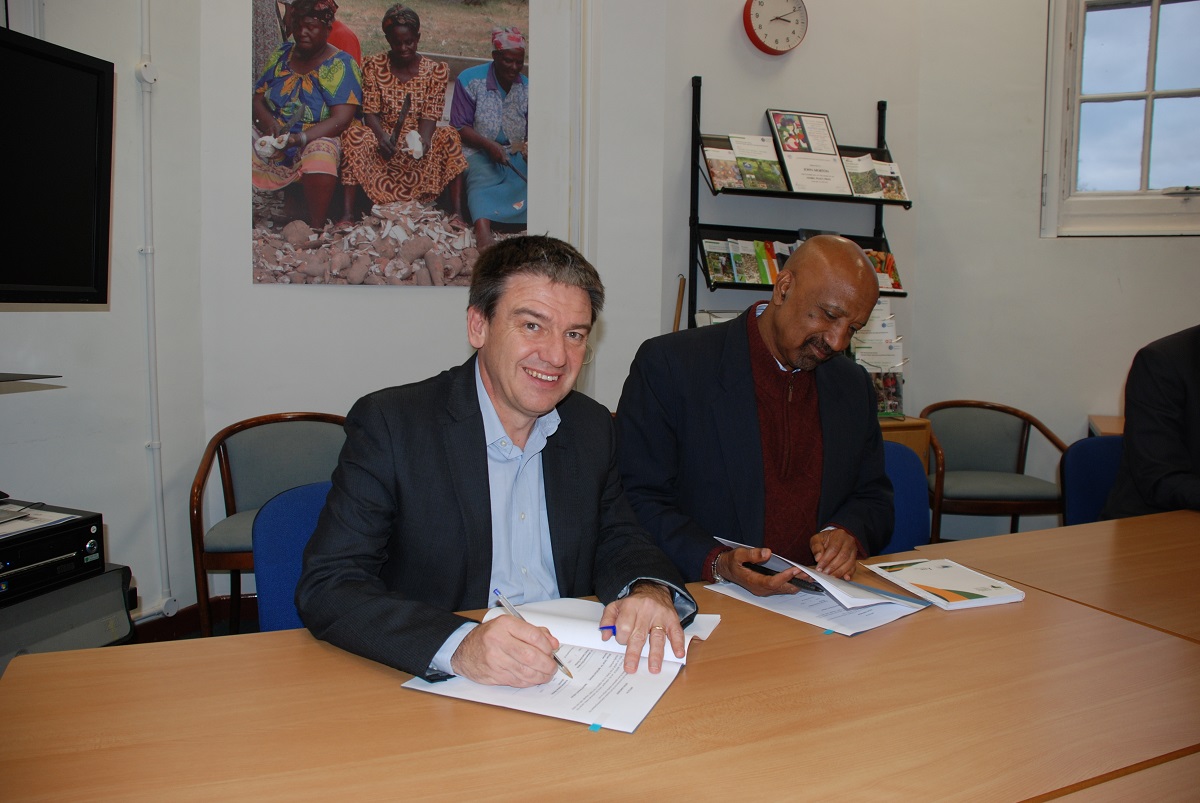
<point x="1146" y="568"/>
<point x="1175" y="781"/>
<point x="1010" y="702"/>
<point x="1106" y="425"/>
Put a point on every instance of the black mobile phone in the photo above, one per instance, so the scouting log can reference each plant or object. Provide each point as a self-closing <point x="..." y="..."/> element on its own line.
<point x="804" y="585"/>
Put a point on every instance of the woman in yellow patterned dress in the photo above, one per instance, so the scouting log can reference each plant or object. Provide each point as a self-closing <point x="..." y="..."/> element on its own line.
<point x="306" y="97"/>
<point x="386" y="167"/>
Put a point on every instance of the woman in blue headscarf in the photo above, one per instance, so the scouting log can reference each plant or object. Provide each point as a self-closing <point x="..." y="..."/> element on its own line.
<point x="491" y="112"/>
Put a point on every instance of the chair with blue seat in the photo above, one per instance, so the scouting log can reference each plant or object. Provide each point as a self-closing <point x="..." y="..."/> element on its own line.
<point x="910" y="492"/>
<point x="979" y="450"/>
<point x="255" y="458"/>
<point x="1088" y="471"/>
<point x="281" y="531"/>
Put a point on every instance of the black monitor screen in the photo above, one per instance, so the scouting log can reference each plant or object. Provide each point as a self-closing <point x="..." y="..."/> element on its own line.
<point x="58" y="144"/>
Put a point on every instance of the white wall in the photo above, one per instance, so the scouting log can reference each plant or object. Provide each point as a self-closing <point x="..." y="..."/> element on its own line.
<point x="80" y="441"/>
<point x="1047" y="325"/>
<point x="994" y="312"/>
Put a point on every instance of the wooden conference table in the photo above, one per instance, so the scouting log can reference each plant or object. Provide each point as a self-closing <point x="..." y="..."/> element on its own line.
<point x="1030" y="700"/>
<point x="1146" y="569"/>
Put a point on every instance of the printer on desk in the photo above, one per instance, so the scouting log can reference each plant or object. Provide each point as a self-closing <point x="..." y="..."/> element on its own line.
<point x="56" y="592"/>
<point x="48" y="548"/>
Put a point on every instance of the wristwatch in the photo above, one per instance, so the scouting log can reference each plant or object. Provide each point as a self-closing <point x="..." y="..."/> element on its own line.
<point x="717" y="578"/>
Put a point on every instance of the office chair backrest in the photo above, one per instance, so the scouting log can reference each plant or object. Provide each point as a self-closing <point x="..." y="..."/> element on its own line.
<point x="281" y="530"/>
<point x="283" y="454"/>
<point x="1089" y="469"/>
<point x="911" y="498"/>
<point x="979" y="439"/>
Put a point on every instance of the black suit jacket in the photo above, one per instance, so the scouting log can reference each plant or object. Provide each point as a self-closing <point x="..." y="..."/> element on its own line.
<point x="1160" y="458"/>
<point x="405" y="536"/>
<point x="691" y="455"/>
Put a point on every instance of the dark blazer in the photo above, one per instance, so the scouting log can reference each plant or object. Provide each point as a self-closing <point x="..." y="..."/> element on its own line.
<point x="405" y="536"/>
<point x="691" y="455"/>
<point x="1160" y="458"/>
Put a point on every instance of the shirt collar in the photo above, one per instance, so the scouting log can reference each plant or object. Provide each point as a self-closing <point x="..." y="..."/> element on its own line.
<point x="759" y="309"/>
<point x="493" y="431"/>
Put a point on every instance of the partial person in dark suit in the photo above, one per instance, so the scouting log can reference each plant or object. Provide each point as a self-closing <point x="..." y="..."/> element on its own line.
<point x="760" y="432"/>
<point x="493" y="474"/>
<point x="1160" y="457"/>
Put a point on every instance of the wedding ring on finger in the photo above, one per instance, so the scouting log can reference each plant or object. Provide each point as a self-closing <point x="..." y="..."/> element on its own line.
<point x="661" y="630"/>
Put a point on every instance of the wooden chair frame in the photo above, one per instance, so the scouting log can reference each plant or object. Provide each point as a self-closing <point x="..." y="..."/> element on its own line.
<point x="233" y="562"/>
<point x="1015" y="508"/>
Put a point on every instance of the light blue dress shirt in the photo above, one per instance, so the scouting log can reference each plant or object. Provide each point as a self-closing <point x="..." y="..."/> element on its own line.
<point x="522" y="560"/>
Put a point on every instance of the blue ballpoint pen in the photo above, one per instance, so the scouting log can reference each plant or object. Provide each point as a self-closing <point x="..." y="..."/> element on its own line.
<point x="511" y="611"/>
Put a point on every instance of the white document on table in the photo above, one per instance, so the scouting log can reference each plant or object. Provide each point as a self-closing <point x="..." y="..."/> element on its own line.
<point x="848" y="594"/>
<point x="821" y="610"/>
<point x="601" y="693"/>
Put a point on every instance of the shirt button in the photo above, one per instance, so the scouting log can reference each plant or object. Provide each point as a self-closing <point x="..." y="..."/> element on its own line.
<point x="504" y="443"/>
<point x="522" y="517"/>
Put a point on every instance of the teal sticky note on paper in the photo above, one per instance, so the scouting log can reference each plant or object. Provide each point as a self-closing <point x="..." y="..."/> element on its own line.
<point x="595" y="726"/>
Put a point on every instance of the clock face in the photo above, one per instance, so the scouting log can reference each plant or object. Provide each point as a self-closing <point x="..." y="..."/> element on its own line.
<point x="775" y="26"/>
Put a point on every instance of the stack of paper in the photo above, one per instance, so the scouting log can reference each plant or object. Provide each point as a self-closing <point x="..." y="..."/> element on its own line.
<point x="844" y="607"/>
<point x="600" y="692"/>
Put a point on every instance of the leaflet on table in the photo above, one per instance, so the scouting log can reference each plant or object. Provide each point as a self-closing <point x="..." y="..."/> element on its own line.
<point x="16" y="519"/>
<point x="809" y="151"/>
<point x="600" y="693"/>
<point x="848" y="595"/>
<point x="947" y="584"/>
<point x="819" y="610"/>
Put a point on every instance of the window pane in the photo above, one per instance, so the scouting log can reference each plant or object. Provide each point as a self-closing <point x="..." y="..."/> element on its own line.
<point x="1115" y="44"/>
<point x="1174" y="158"/>
<point x="1178" y="64"/>
<point x="1110" y="146"/>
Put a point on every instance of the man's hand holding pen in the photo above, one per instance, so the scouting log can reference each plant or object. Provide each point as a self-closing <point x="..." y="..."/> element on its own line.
<point x="731" y="566"/>
<point x="506" y="651"/>
<point x="646" y="613"/>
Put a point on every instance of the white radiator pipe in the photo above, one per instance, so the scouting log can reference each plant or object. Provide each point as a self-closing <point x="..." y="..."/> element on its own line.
<point x="147" y="75"/>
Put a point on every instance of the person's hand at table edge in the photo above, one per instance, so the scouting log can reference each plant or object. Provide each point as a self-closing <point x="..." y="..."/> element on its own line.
<point x="646" y="613"/>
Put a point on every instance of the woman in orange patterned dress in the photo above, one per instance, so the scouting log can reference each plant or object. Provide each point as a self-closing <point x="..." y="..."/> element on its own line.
<point x="385" y="166"/>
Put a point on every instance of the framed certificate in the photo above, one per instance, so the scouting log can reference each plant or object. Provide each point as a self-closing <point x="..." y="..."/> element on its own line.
<point x="809" y="152"/>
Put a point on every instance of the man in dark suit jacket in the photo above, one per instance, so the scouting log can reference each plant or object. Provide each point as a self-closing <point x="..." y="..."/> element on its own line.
<point x="491" y="474"/>
<point x="758" y="431"/>
<point x="1160" y="457"/>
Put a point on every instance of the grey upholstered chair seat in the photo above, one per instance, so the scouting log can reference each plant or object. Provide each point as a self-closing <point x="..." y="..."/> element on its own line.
<point x="254" y="460"/>
<point x="978" y="463"/>
<point x="231" y="534"/>
<point x="995" y="485"/>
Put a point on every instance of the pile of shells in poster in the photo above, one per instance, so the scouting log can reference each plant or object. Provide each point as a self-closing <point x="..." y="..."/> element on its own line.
<point x="404" y="243"/>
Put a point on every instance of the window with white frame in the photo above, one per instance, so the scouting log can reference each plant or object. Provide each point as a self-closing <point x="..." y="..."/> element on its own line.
<point x="1122" y="146"/>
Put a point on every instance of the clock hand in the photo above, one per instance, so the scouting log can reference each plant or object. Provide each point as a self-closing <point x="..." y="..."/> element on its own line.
<point x="785" y="16"/>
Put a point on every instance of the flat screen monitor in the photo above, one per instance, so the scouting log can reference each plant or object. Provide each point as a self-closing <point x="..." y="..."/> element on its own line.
<point x="57" y="143"/>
